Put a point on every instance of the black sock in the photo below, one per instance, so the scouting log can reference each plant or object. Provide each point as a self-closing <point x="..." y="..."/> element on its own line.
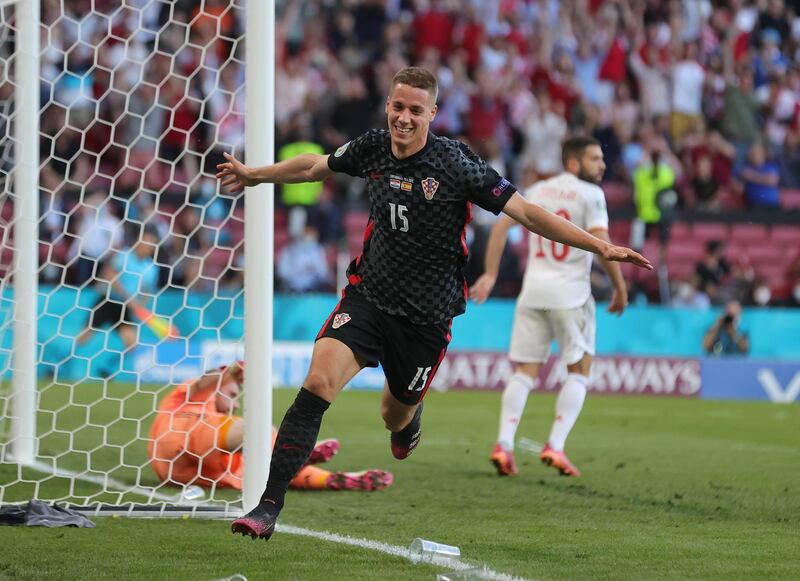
<point x="296" y="438"/>
<point x="405" y="435"/>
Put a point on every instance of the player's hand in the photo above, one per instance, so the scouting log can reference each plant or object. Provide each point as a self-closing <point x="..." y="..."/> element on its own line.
<point x="482" y="288"/>
<point x="619" y="300"/>
<point x="622" y="254"/>
<point x="234" y="174"/>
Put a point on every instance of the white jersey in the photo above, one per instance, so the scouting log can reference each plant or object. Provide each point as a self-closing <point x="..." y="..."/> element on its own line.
<point x="557" y="276"/>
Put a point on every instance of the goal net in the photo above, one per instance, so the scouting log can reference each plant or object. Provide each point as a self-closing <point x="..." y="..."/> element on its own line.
<point x="140" y="268"/>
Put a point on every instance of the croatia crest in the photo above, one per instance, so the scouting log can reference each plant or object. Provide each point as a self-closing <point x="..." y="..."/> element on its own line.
<point x="340" y="319"/>
<point x="429" y="187"/>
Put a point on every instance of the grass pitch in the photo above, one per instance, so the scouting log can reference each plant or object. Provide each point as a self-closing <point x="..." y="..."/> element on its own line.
<point x="672" y="489"/>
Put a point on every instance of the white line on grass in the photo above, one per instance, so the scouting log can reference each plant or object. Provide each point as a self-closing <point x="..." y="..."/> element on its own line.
<point x="394" y="550"/>
<point x="397" y="551"/>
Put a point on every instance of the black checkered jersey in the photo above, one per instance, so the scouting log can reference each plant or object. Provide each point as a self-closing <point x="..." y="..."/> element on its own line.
<point x="414" y="244"/>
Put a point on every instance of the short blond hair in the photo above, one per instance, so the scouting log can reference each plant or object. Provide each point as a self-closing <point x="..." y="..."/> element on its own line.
<point x="418" y="78"/>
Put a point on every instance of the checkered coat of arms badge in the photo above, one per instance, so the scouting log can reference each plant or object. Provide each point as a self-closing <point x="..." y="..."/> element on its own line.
<point x="340" y="319"/>
<point x="429" y="187"/>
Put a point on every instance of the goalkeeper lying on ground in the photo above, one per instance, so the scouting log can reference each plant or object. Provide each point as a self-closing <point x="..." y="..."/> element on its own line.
<point x="196" y="439"/>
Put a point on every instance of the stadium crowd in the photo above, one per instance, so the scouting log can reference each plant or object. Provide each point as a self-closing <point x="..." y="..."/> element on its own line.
<point x="696" y="97"/>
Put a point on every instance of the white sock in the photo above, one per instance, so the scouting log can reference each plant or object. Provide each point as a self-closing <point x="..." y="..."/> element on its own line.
<point x="514" y="397"/>
<point x="568" y="407"/>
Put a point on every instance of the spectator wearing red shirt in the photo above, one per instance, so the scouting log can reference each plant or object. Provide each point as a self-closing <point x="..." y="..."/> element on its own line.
<point x="434" y="27"/>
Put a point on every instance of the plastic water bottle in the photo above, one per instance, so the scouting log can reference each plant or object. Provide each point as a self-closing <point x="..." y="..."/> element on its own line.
<point x="424" y="550"/>
<point x="193" y="493"/>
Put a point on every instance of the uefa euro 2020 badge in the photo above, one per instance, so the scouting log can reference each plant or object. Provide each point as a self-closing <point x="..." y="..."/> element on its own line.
<point x="340" y="319"/>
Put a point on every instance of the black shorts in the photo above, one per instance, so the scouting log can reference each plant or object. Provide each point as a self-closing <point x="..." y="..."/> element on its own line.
<point x="108" y="312"/>
<point x="410" y="354"/>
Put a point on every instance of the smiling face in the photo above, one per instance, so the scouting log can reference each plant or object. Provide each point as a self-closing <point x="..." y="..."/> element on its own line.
<point x="409" y="111"/>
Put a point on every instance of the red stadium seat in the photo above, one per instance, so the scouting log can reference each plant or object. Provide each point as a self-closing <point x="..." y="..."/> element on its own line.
<point x="790" y="198"/>
<point x="786" y="235"/>
<point x="680" y="231"/>
<point x="703" y="232"/>
<point x="749" y="233"/>
<point x="617" y="194"/>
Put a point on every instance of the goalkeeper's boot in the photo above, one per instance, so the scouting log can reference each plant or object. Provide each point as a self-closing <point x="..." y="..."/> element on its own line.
<point x="559" y="461"/>
<point x="367" y="480"/>
<point x="503" y="460"/>
<point x="404" y="441"/>
<point x="259" y="523"/>
<point x="324" y="451"/>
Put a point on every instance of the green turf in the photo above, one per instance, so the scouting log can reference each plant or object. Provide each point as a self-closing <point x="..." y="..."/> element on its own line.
<point x="672" y="489"/>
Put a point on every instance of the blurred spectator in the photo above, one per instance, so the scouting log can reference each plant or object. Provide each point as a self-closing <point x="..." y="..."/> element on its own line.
<point x="98" y="232"/>
<point x="761" y="294"/>
<point x="543" y="131"/>
<point x="688" y="294"/>
<point x="760" y="178"/>
<point x="740" y="121"/>
<point x="127" y="282"/>
<point x="712" y="271"/>
<point x="302" y="265"/>
<point x="653" y="179"/>
<point x="703" y="187"/>
<point x="300" y="140"/>
<point x="725" y="337"/>
<point x="687" y="92"/>
<point x="793" y="281"/>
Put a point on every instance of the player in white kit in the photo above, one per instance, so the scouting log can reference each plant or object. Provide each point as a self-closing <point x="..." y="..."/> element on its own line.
<point x="555" y="302"/>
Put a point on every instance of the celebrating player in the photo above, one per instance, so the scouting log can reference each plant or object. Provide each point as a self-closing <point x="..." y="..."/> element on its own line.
<point x="555" y="302"/>
<point x="196" y="439"/>
<point x="407" y="285"/>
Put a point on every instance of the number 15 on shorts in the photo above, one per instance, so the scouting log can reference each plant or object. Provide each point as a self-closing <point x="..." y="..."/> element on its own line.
<point x="420" y="379"/>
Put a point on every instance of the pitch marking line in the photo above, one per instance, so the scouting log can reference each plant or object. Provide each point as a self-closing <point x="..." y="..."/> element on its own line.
<point x="394" y="550"/>
<point x="397" y="551"/>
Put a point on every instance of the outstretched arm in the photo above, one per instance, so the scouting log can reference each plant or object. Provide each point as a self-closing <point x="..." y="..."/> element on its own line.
<point x="482" y="288"/>
<point x="307" y="167"/>
<point x="619" y="300"/>
<point x="540" y="221"/>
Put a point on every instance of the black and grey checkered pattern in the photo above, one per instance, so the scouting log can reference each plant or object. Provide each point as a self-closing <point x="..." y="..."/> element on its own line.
<point x="415" y="252"/>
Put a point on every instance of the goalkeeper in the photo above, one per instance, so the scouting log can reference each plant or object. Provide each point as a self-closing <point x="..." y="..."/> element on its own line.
<point x="196" y="439"/>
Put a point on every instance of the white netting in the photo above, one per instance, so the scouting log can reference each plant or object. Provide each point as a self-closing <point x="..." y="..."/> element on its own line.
<point x="138" y="99"/>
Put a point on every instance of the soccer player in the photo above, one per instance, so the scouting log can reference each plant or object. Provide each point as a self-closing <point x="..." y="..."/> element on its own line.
<point x="196" y="439"/>
<point x="555" y="301"/>
<point x="407" y="285"/>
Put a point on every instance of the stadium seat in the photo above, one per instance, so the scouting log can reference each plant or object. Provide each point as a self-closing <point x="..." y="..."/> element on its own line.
<point x="617" y="194"/>
<point x="786" y="235"/>
<point x="620" y="232"/>
<point x="704" y="232"/>
<point x="749" y="233"/>
<point x="680" y="231"/>
<point x="217" y="262"/>
<point x="790" y="198"/>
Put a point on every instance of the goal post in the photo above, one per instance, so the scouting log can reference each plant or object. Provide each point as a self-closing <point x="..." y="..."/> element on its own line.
<point x="138" y="101"/>
<point x="258" y="290"/>
<point x="26" y="220"/>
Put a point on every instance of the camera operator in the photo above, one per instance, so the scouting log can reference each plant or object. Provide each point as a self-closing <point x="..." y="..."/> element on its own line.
<point x="724" y="337"/>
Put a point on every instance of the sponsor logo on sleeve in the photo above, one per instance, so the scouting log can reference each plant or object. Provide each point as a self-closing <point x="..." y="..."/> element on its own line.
<point x="429" y="187"/>
<point x="501" y="187"/>
<point x="340" y="152"/>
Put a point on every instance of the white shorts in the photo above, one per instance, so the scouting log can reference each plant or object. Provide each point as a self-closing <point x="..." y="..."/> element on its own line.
<point x="535" y="329"/>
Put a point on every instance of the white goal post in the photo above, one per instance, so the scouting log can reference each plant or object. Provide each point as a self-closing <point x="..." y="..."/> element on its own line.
<point x="77" y="400"/>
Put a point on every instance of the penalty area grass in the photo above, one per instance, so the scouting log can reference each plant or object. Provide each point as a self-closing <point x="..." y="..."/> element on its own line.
<point x="671" y="489"/>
